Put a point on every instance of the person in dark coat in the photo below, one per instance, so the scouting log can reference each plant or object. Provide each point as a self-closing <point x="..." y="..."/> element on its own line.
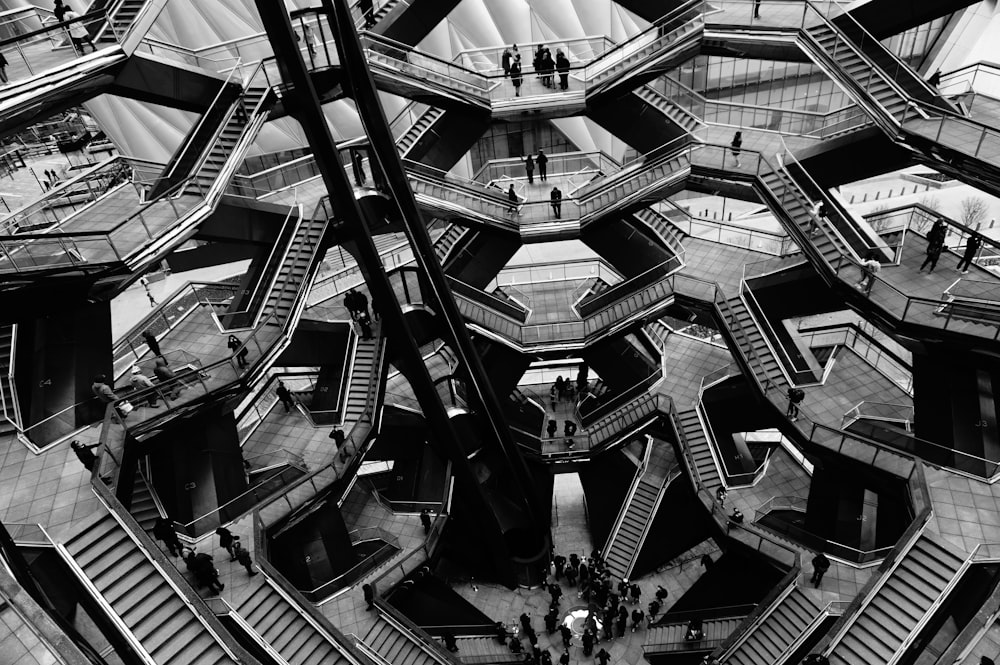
<point x="505" y="60"/>
<point x="736" y="146"/>
<point x="525" y="621"/>
<point x="935" y="245"/>
<point x="365" y="322"/>
<point x="369" y="592"/>
<point x="622" y="621"/>
<point x="551" y="619"/>
<point x="162" y="531"/>
<point x="971" y="247"/>
<point x="562" y="66"/>
<point x="449" y="641"/>
<point x="559" y="563"/>
<point x="603" y="657"/>
<point x="234" y="345"/>
<point x="588" y="642"/>
<point x="226" y="541"/>
<point x="425" y="520"/>
<point x="152" y="344"/>
<point x="87" y="458"/>
<point x="567" y="635"/>
<point x="542" y="161"/>
<point x="362" y="304"/>
<point x="243" y="557"/>
<point x="358" y="166"/>
<point x="500" y="632"/>
<point x="529" y="168"/>
<point x="515" y="76"/>
<point x="555" y="198"/>
<point x="820" y="565"/>
<point x="285" y="396"/>
<point x="367" y="8"/>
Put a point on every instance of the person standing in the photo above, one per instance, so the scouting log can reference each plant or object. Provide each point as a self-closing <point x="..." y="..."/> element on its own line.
<point x="338" y="437"/>
<point x="512" y="197"/>
<point x="234" y="345"/>
<point x="550" y="622"/>
<point x="559" y="563"/>
<point x="350" y="303"/>
<point x="935" y="245"/>
<point x="795" y="397"/>
<point x="141" y="382"/>
<point x="367" y="8"/>
<point x="144" y="281"/>
<point x="82" y="452"/>
<point x="567" y="636"/>
<point x="425" y="520"/>
<point x="285" y="396"/>
<point x="369" y="594"/>
<point x="60" y="11"/>
<point x="971" y="247"/>
<point x="362" y="304"/>
<point x="622" y="622"/>
<point x="515" y="75"/>
<point x="637" y="618"/>
<point x="166" y="377"/>
<point x="243" y="557"/>
<point x="358" y="166"/>
<point x="450" y="642"/>
<point x="505" y="60"/>
<point x="820" y="565"/>
<point x="562" y="66"/>
<point x="654" y="609"/>
<point x="162" y="531"/>
<point x="529" y="168"/>
<point x="556" y="198"/>
<point x="552" y="428"/>
<point x="603" y="656"/>
<point x="226" y="541"/>
<point x="635" y="592"/>
<point x="756" y="8"/>
<point x="151" y="343"/>
<point x="736" y="146"/>
<point x="365" y="322"/>
<point x="588" y="642"/>
<point x="542" y="162"/>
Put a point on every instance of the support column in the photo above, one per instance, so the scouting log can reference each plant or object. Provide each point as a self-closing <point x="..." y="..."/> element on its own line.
<point x="302" y="100"/>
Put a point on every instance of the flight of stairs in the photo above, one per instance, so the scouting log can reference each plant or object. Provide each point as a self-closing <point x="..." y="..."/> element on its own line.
<point x="121" y="21"/>
<point x="670" y="637"/>
<point x="382" y="8"/>
<point x="143" y="508"/>
<point x="13" y="418"/>
<point x="361" y="375"/>
<point x="151" y="609"/>
<point x="637" y="303"/>
<point x="398" y="646"/>
<point x="622" y="548"/>
<point x="919" y="578"/>
<point x="412" y="135"/>
<point x="664" y="229"/>
<point x="700" y="449"/>
<point x="441" y="199"/>
<point x="285" y="627"/>
<point x="393" y="63"/>
<point x="645" y="180"/>
<point x="232" y="132"/>
<point x="485" y="651"/>
<point x="779" y="630"/>
<point x="752" y="346"/>
<point x="448" y="240"/>
<point x="298" y="263"/>
<point x="660" y="45"/>
<point x="677" y="114"/>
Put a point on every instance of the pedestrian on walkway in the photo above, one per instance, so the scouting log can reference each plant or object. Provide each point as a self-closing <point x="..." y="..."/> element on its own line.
<point x="425" y="520"/>
<point x="542" y="162"/>
<point x="736" y="146"/>
<point x="635" y="592"/>
<point x="450" y="643"/>
<point x="720" y="495"/>
<point x="505" y="60"/>
<point x="241" y="354"/>
<point x="567" y="636"/>
<point x="551" y="619"/>
<point x="870" y="267"/>
<point x="154" y="346"/>
<point x="556" y="199"/>
<point x="555" y="591"/>
<point x="795" y="397"/>
<point x="588" y="642"/>
<point x="552" y="428"/>
<point x="515" y="76"/>
<point x="226" y="541"/>
<point x="971" y="247"/>
<point x="529" y="168"/>
<point x="515" y="645"/>
<point x="622" y="622"/>
<point x="365" y="323"/>
<point x="935" y="245"/>
<point x="559" y="563"/>
<point x="358" y="166"/>
<point x="243" y="557"/>
<point x="285" y="396"/>
<point x="694" y="631"/>
<point x="350" y="303"/>
<point x="367" y="8"/>
<point x="140" y="382"/>
<point x="654" y="609"/>
<point x="637" y="618"/>
<point x="562" y="66"/>
<point x="512" y="197"/>
<point x="820" y="565"/>
<point x="167" y="380"/>
<point x="78" y="33"/>
<point x="603" y="656"/>
<point x="144" y="281"/>
<point x="525" y="621"/>
<point x="609" y="623"/>
<point x="165" y="533"/>
<point x="369" y="593"/>
<point x="661" y="593"/>
<point x="546" y="658"/>
<point x="756" y="8"/>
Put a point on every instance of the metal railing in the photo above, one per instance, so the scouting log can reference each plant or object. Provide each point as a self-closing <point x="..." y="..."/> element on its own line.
<point x="348" y="578"/>
<point x="727" y="234"/>
<point x="880" y="411"/>
<point x="866" y="346"/>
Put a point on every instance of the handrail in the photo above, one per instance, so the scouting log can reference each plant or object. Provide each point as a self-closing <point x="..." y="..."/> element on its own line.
<point x="57" y="27"/>
<point x="770" y="337"/>
<point x="596" y="303"/>
<point x="656" y="27"/>
<point x="601" y="411"/>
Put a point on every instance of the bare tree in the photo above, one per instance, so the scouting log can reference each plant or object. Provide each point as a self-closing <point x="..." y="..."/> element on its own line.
<point x="877" y="218"/>
<point x="974" y="211"/>
<point x="932" y="203"/>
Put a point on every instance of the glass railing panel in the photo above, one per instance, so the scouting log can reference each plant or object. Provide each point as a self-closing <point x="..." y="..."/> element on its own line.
<point x="488" y="61"/>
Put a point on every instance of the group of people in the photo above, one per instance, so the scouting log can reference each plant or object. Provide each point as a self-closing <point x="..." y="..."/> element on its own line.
<point x="542" y="62"/>
<point x="356" y="304"/>
<point x="78" y="34"/>
<point x="51" y="177"/>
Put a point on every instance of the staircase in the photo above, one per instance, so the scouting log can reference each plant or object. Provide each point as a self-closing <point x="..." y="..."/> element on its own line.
<point x="12" y="418"/>
<point x="636" y="516"/>
<point x="752" y="345"/>
<point x="159" y="618"/>
<point x="289" y="630"/>
<point x="410" y="137"/>
<point x="669" y="637"/>
<point x="485" y="651"/>
<point x="642" y="181"/>
<point x="448" y="240"/>
<point x="298" y="264"/>
<point x="884" y="623"/>
<point x="398" y="646"/>
<point x="143" y="507"/>
<point x="664" y="229"/>
<point x="444" y="199"/>
<point x="678" y="115"/>
<point x="361" y="375"/>
<point x="231" y="133"/>
<point x="383" y="8"/>
<point x="122" y="17"/>
<point x="773" y="638"/>
<point x="700" y="449"/>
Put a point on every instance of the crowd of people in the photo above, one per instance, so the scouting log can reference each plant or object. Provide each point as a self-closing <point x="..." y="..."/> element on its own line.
<point x="546" y="67"/>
